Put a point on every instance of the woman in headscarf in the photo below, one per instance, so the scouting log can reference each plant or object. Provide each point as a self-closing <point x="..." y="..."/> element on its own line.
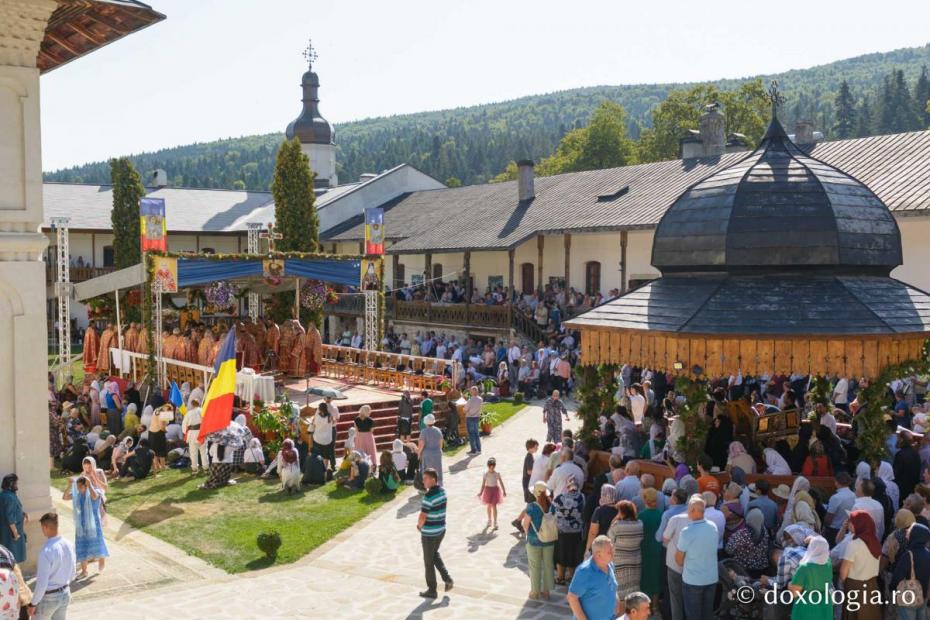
<point x="863" y="471"/>
<point x="654" y="447"/>
<point x="689" y="485"/>
<point x="881" y="496"/>
<point x="814" y="574"/>
<point x="886" y="473"/>
<point x="681" y="470"/>
<point x="895" y="542"/>
<point x="603" y="515"/>
<point x="916" y="562"/>
<point x="801" y="507"/>
<point x="131" y="419"/>
<point x="653" y="560"/>
<point x="744" y="544"/>
<point x="775" y="463"/>
<point x="93" y="397"/>
<point x="429" y="448"/>
<point x="793" y="550"/>
<point x="738" y="457"/>
<point x="859" y="568"/>
<point x="365" y="439"/>
<point x="253" y="459"/>
<point x="93" y="437"/>
<point x="289" y="467"/>
<point x="12" y="518"/>
<point x="816" y="462"/>
<point x="103" y="451"/>
<point x="120" y="451"/>
<point x="243" y="429"/>
<point x="55" y="444"/>
<point x="676" y="431"/>
<point x="89" y="544"/>
<point x="627" y="434"/>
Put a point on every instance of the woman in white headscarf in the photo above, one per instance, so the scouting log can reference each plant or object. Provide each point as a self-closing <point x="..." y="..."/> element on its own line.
<point x="253" y="460"/>
<point x="94" y="396"/>
<point x="185" y="393"/>
<point x="863" y="472"/>
<point x="738" y="457"/>
<point x="886" y="473"/>
<point x="775" y="463"/>
<point x="120" y="452"/>
<point x="676" y="431"/>
<point x="147" y="413"/>
<point x="814" y="574"/>
<point x="801" y="508"/>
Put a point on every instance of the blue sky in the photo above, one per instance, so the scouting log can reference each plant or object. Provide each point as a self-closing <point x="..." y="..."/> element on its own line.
<point x="225" y="68"/>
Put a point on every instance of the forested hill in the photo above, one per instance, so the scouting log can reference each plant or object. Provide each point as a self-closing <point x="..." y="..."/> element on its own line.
<point x="475" y="143"/>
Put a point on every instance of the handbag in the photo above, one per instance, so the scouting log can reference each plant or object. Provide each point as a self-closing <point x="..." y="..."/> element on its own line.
<point x="909" y="593"/>
<point x="548" y="530"/>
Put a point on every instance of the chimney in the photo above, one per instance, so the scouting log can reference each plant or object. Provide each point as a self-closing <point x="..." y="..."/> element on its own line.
<point x="366" y="176"/>
<point x="803" y="131"/>
<point x="690" y="145"/>
<point x="713" y="130"/>
<point x="525" y="176"/>
<point x="737" y="142"/>
<point x="159" y="178"/>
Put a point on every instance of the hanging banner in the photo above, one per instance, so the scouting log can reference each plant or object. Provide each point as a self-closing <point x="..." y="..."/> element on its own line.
<point x="166" y="272"/>
<point x="374" y="232"/>
<point x="153" y="225"/>
<point x="371" y="274"/>
<point x="273" y="271"/>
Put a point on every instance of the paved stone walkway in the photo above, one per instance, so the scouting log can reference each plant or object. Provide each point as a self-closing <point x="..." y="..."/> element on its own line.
<point x="375" y="569"/>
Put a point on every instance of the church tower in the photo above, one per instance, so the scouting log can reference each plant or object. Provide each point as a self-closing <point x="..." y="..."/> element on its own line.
<point x="317" y="136"/>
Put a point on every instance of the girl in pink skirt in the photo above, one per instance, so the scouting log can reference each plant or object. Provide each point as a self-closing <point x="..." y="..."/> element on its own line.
<point x="492" y="491"/>
<point x="365" y="439"/>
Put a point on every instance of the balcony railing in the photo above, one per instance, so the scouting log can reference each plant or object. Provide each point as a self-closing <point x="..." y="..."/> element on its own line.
<point x="79" y="274"/>
<point x="474" y="315"/>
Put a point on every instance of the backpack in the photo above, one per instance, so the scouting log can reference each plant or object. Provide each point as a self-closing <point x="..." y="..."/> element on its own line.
<point x="909" y="593"/>
<point x="315" y="471"/>
<point x="548" y="530"/>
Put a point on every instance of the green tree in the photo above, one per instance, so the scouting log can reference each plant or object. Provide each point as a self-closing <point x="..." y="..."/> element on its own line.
<point x="509" y="173"/>
<point x="124" y="218"/>
<point x="864" y="123"/>
<point x="453" y="182"/>
<point x="295" y="218"/>
<point x="294" y="200"/>
<point x="603" y="143"/>
<point x="745" y="109"/>
<point x="922" y="99"/>
<point x="845" y="105"/>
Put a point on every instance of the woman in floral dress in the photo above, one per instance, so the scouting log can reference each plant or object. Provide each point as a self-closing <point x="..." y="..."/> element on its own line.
<point x="569" y="547"/>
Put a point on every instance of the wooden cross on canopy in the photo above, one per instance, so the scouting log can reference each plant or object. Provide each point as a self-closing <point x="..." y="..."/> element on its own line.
<point x="270" y="235"/>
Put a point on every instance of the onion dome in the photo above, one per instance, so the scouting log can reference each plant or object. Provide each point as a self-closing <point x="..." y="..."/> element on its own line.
<point x="778" y="208"/>
<point x="310" y="127"/>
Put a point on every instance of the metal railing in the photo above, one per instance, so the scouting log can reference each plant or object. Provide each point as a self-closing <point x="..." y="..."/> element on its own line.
<point x="79" y="274"/>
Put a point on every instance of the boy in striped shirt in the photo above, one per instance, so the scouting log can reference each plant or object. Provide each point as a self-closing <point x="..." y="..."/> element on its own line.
<point x="432" y="526"/>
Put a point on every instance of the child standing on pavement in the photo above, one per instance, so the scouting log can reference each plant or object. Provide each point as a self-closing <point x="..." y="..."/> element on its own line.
<point x="492" y="491"/>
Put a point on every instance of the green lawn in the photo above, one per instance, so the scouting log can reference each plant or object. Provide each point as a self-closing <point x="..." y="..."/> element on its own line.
<point x="221" y="526"/>
<point x="77" y="368"/>
<point x="504" y="410"/>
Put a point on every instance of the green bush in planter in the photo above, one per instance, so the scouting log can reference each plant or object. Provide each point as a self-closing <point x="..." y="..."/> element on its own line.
<point x="269" y="543"/>
<point x="518" y="398"/>
<point x="373" y="486"/>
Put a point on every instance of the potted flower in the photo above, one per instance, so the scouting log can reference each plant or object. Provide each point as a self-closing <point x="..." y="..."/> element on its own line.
<point x="487" y="420"/>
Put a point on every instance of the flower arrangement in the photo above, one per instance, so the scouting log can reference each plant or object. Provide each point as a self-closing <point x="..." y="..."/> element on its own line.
<point x="314" y="294"/>
<point x="220" y="294"/>
<point x="99" y="307"/>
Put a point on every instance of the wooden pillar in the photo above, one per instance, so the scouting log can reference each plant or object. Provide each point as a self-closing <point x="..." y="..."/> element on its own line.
<point x="468" y="290"/>
<point x="540" y="244"/>
<point x="93" y="250"/>
<point x="568" y="258"/>
<point x="197" y="242"/>
<point x="513" y="287"/>
<point x="623" y="267"/>
<point x="361" y="248"/>
<point x="239" y="244"/>
<point x="395" y="267"/>
<point x="428" y="274"/>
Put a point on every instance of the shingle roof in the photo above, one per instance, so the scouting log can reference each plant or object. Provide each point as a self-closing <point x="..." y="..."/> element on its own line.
<point x="766" y="304"/>
<point x="896" y="167"/>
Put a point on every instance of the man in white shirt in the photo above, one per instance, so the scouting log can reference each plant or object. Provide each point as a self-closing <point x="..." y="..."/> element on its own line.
<point x="472" y="421"/>
<point x="558" y="481"/>
<point x="357" y="341"/>
<point x="457" y="353"/>
<point x="841" y="394"/>
<point x="190" y="427"/>
<point x="865" y="489"/>
<point x="441" y="350"/>
<point x="672" y="568"/>
<point x="714" y="516"/>
<point x="51" y="594"/>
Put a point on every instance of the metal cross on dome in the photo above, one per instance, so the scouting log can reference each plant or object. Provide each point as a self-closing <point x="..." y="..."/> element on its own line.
<point x="310" y="54"/>
<point x="775" y="97"/>
<point x="270" y="235"/>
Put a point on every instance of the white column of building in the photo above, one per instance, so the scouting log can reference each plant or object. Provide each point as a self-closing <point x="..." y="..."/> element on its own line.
<point x="23" y="335"/>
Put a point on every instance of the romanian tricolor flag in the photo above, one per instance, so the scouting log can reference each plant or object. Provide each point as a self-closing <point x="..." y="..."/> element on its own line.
<point x="218" y="405"/>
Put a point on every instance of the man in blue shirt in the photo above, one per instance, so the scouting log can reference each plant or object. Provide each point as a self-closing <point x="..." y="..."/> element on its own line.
<point x="592" y="594"/>
<point x="55" y="570"/>
<point x="697" y="553"/>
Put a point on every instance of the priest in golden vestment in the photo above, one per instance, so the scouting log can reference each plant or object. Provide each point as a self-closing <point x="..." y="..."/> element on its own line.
<point x="107" y="342"/>
<point x="187" y="352"/>
<point x="205" y="348"/>
<point x="215" y="349"/>
<point x="272" y="337"/>
<point x="142" y="342"/>
<point x="314" y="349"/>
<point x="91" y="348"/>
<point x="285" y="344"/>
<point x="170" y="346"/>
<point x="298" y="361"/>
<point x="131" y="338"/>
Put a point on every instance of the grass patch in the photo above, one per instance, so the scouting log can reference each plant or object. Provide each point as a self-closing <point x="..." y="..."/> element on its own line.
<point x="222" y="526"/>
<point x="504" y="410"/>
<point x="77" y="368"/>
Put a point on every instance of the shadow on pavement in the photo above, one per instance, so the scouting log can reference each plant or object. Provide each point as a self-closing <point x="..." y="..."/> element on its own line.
<point x="427" y="605"/>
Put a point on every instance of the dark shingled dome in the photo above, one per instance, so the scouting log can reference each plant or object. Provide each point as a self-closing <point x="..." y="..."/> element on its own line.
<point x="310" y="126"/>
<point x="776" y="209"/>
